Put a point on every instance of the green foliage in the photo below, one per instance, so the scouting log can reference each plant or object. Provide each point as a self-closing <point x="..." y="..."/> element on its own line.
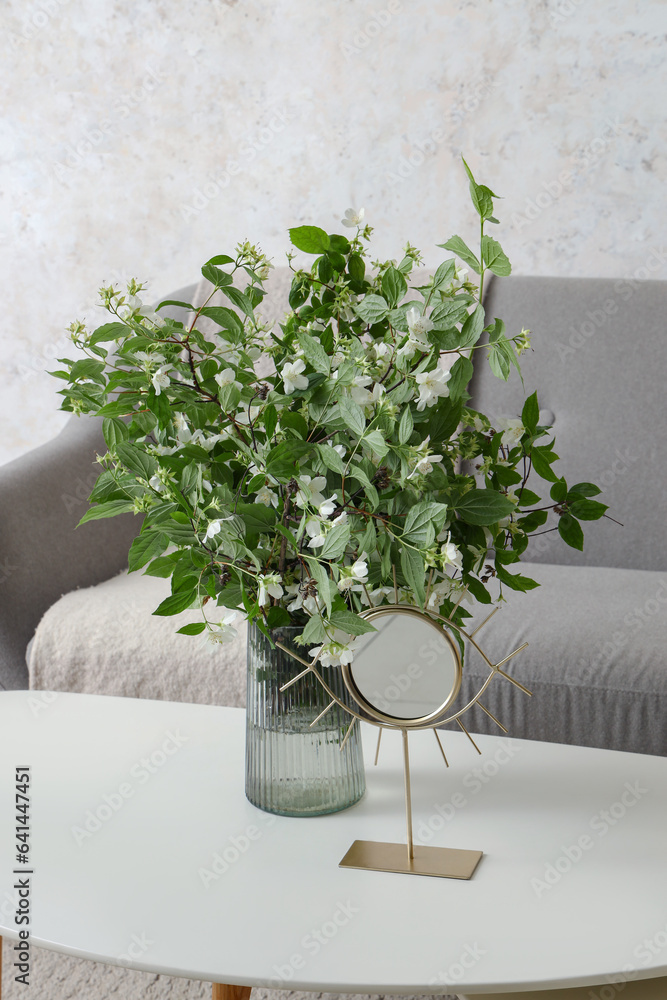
<point x="298" y="495"/>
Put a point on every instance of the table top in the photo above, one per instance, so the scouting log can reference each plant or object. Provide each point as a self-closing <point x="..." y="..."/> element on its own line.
<point x="146" y="853"/>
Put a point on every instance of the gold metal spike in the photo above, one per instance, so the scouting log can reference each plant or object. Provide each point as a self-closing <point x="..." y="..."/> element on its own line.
<point x="442" y="749"/>
<point x="329" y="706"/>
<point x="492" y="716"/>
<point x="469" y="737"/>
<point x="487" y="619"/>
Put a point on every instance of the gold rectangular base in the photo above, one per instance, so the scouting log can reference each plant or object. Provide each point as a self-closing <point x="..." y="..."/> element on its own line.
<point x="442" y="862"/>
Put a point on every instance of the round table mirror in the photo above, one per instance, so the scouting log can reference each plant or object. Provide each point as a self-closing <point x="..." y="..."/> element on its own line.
<point x="405" y="673"/>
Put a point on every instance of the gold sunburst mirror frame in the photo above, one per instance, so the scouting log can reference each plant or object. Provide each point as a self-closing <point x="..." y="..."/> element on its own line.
<point x="431" y="688"/>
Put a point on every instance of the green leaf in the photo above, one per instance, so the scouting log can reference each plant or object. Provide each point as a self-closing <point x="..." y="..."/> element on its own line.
<point x="471" y="330"/>
<point x="281" y="460"/>
<point x="461" y="373"/>
<point x="224" y="317"/>
<point x="457" y="246"/>
<point x="481" y="198"/>
<point x="310" y="239"/>
<point x="587" y="510"/>
<point x="424" y="521"/>
<point x="159" y="405"/>
<point x="412" y="565"/>
<point x="533" y="520"/>
<point x="321" y="578"/>
<point x="240" y="300"/>
<point x="221" y="258"/>
<point x="163" y="566"/>
<point x="194" y="628"/>
<point x="483" y="507"/>
<point x="571" y="532"/>
<point x="87" y="368"/>
<point x="339" y="244"/>
<point x="293" y="420"/>
<point x="145" y="547"/>
<point x="108" y="509"/>
<point x="175" y="603"/>
<point x="358" y="473"/>
<point x="351" y="623"/>
<point x="406" y="426"/>
<point x="119" y="407"/>
<point x="336" y="542"/>
<point x="372" y="309"/>
<point x="314" y="353"/>
<point x="376" y="442"/>
<point x="110" y="331"/>
<point x="216" y="276"/>
<point x="542" y="459"/>
<point x="494" y="258"/>
<point x="331" y="458"/>
<point x="115" y="431"/>
<point x="314" y="632"/>
<point x="530" y="413"/>
<point x="256" y="516"/>
<point x="352" y="414"/>
<point x="584" y="490"/>
<point x="356" y="267"/>
<point x="558" y="491"/>
<point x="515" y="581"/>
<point x="444" y="274"/>
<point x="137" y="461"/>
<point x="270" y="420"/>
<point x="394" y="286"/>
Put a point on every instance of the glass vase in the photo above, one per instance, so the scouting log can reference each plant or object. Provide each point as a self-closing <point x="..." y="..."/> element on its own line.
<point x="293" y="768"/>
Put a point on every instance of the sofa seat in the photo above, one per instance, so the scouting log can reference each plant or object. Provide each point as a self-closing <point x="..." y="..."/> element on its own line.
<point x="595" y="662"/>
<point x="596" y="668"/>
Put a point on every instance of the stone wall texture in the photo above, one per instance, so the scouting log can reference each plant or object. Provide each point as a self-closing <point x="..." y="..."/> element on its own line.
<point x="140" y="137"/>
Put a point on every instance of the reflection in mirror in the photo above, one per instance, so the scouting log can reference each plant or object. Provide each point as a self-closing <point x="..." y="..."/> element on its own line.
<point x="407" y="669"/>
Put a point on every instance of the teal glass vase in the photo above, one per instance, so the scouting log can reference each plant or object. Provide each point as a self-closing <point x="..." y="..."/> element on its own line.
<point x="294" y="768"/>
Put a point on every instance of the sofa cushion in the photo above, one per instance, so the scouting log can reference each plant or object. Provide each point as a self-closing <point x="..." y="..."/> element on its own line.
<point x="599" y="366"/>
<point x="105" y="640"/>
<point x="595" y="661"/>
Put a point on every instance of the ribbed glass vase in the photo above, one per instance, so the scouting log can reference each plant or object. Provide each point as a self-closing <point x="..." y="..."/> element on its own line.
<point x="291" y="768"/>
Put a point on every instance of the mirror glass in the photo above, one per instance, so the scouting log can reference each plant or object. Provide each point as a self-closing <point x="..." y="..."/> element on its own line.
<point x="407" y="669"/>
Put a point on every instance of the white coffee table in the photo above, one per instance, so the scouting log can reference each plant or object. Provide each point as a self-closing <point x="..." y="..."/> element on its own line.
<point x="146" y="853"/>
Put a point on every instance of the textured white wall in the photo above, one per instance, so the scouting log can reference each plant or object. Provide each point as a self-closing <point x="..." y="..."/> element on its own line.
<point x="142" y="136"/>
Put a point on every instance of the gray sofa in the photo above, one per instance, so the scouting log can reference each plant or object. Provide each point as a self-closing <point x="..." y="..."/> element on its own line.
<point x="597" y="660"/>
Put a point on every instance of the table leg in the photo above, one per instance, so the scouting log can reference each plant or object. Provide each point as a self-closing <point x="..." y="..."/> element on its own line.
<point x="221" y="991"/>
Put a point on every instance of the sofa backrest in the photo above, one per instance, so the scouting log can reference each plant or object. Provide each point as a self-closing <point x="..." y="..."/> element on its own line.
<point x="600" y="367"/>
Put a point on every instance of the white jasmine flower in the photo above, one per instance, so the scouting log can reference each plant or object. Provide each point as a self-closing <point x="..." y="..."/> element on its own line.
<point x="356" y="573"/>
<point x="513" y="430"/>
<point x="213" y="529"/>
<point x="152" y="316"/>
<point x="337" y="651"/>
<point x="309" y="492"/>
<point x="316" y="532"/>
<point x="303" y="597"/>
<point x="451" y="556"/>
<point x="432" y="385"/>
<point x="418" y="325"/>
<point x="381" y="349"/>
<point x="341" y="519"/>
<point x="328" y="507"/>
<point x="247" y="414"/>
<point x="264" y="270"/>
<point x="267" y="497"/>
<point x="353" y="218"/>
<point x="341" y="449"/>
<point x="222" y="632"/>
<point x="376" y="596"/>
<point x="149" y="359"/>
<point x="358" y="390"/>
<point x="292" y="377"/>
<point x="161" y="380"/>
<point x="460" y="277"/>
<point x="156" y="484"/>
<point x="337" y="359"/>
<point x="425" y="465"/>
<point x="269" y="586"/>
<point x="227" y="377"/>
